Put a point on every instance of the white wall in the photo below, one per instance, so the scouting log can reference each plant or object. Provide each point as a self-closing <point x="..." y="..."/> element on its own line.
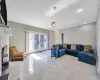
<point x="18" y="35"/>
<point x="98" y="41"/>
<point x="85" y="34"/>
<point x="57" y="37"/>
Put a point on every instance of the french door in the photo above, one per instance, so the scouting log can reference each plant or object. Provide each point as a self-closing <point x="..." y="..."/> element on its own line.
<point x="38" y="42"/>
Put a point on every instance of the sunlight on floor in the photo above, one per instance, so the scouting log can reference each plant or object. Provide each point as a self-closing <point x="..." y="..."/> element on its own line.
<point x="36" y="57"/>
<point x="31" y="68"/>
<point x="31" y="61"/>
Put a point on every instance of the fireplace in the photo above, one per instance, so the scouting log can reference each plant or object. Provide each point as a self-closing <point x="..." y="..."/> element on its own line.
<point x="4" y="54"/>
<point x="5" y="62"/>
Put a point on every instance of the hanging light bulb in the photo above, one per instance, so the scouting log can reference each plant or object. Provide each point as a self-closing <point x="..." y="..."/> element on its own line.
<point x="53" y="24"/>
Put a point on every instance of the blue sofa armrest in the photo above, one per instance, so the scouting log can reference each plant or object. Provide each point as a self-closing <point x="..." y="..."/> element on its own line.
<point x="57" y="53"/>
<point x="54" y="52"/>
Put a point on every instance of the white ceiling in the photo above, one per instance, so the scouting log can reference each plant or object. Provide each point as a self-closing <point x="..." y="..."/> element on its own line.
<point x="39" y="13"/>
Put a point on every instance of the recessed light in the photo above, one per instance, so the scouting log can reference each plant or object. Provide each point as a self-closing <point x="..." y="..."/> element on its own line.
<point x="84" y="22"/>
<point x="79" y="10"/>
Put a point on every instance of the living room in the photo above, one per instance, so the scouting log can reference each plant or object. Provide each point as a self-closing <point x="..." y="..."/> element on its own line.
<point x="50" y="40"/>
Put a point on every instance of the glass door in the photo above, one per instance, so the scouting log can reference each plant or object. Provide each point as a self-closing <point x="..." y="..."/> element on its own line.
<point x="46" y="44"/>
<point x="41" y="42"/>
<point x="38" y="42"/>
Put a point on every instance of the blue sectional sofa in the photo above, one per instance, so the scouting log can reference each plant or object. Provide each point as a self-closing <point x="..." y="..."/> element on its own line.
<point x="79" y="52"/>
<point x="86" y="57"/>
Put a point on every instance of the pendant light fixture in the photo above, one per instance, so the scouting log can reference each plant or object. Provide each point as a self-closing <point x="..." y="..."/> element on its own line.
<point x="53" y="24"/>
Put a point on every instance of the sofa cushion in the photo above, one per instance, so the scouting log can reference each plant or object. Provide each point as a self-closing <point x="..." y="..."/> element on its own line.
<point x="68" y="46"/>
<point x="53" y="46"/>
<point x="87" y="48"/>
<point x="82" y="48"/>
<point x="57" y="46"/>
<point x="79" y="47"/>
<point x="86" y="55"/>
<point x="60" y="46"/>
<point x="64" y="46"/>
<point x="62" y="50"/>
<point x="73" y="46"/>
<point x="72" y="51"/>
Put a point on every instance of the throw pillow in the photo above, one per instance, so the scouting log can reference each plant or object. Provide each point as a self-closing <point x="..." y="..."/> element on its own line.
<point x="87" y="48"/>
<point x="73" y="46"/>
<point x="57" y="46"/>
<point x="65" y="46"/>
<point x="4" y="77"/>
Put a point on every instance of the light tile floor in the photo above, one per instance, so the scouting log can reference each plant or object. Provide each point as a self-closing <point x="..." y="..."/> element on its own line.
<point x="40" y="66"/>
